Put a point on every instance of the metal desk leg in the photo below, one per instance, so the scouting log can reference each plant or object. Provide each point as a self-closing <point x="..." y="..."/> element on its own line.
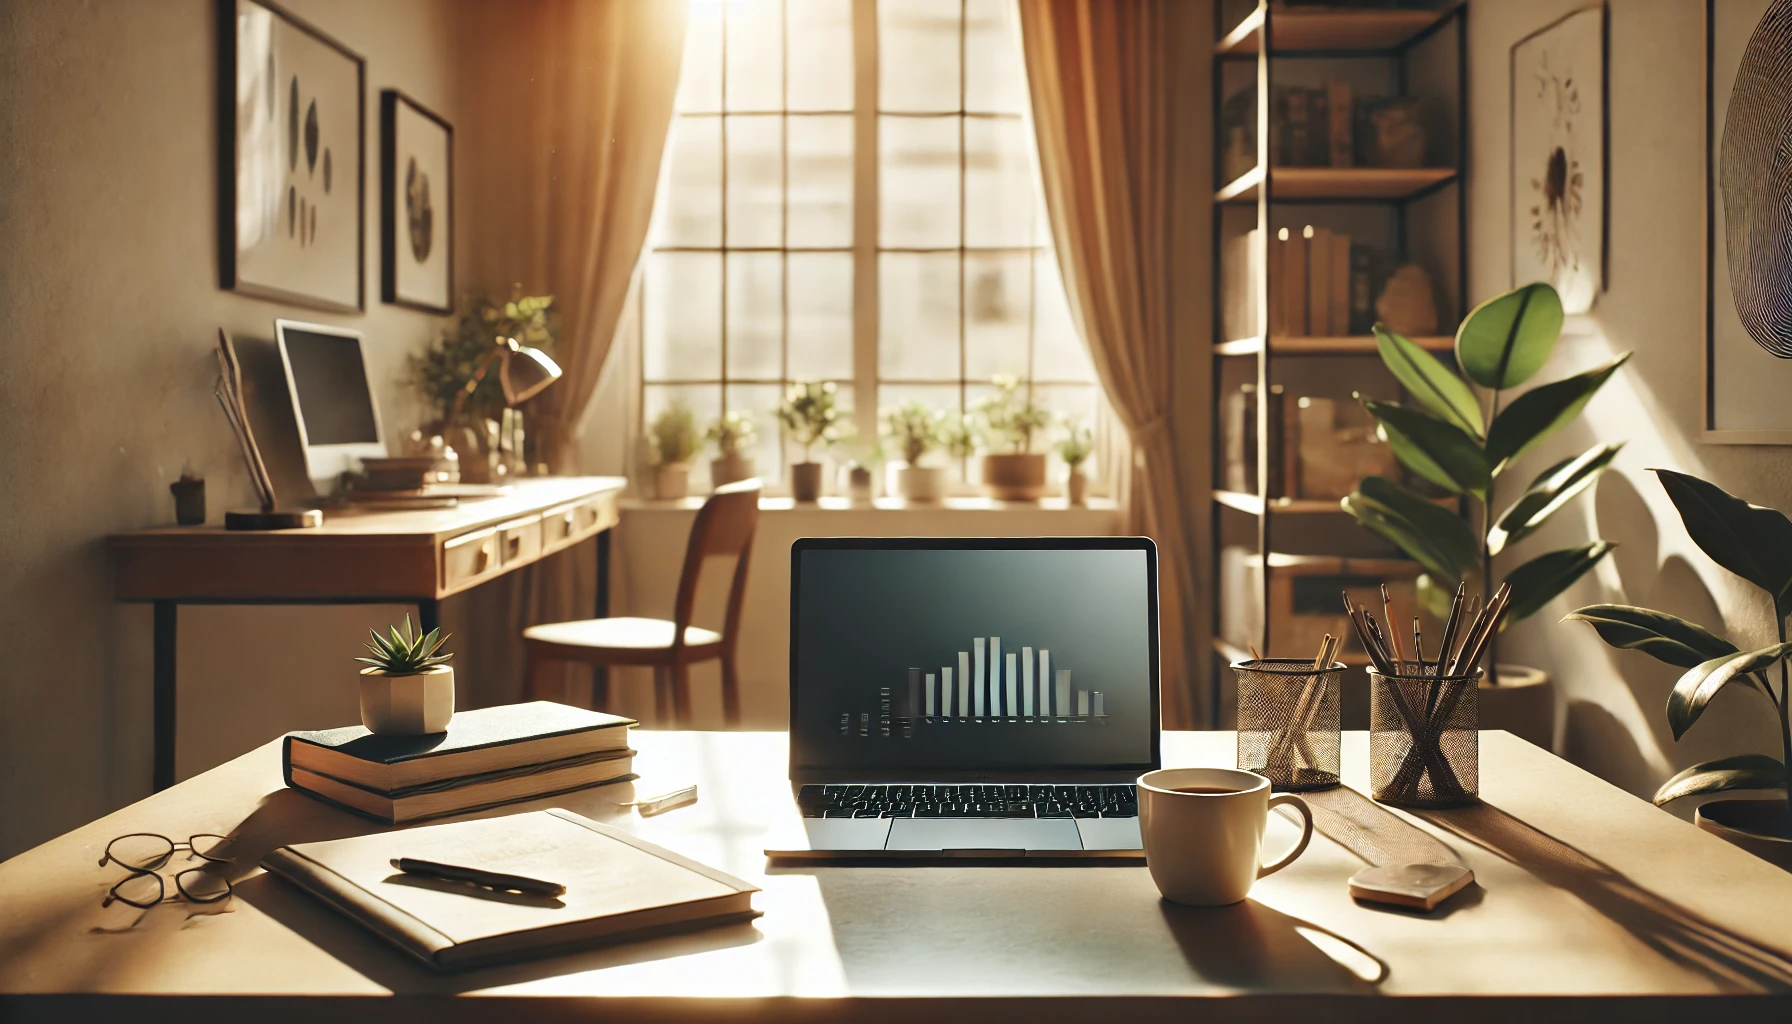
<point x="428" y="615"/>
<point x="167" y="617"/>
<point x="600" y="676"/>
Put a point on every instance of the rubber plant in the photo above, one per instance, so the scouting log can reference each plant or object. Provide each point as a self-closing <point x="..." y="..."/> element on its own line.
<point x="1755" y="543"/>
<point x="1463" y="435"/>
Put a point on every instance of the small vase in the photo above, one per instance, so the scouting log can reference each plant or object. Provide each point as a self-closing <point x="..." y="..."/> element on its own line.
<point x="1076" y="487"/>
<point x="731" y="468"/>
<point x="805" y="481"/>
<point x="671" y="483"/>
<point x="858" y="484"/>
<point x="921" y="483"/>
<point x="1014" y="476"/>
<point x="412" y="705"/>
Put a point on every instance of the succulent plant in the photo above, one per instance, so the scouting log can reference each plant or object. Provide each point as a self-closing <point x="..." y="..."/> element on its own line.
<point x="404" y="653"/>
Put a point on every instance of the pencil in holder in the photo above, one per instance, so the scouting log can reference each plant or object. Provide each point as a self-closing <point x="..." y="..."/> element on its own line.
<point x="1423" y="747"/>
<point x="1288" y="721"/>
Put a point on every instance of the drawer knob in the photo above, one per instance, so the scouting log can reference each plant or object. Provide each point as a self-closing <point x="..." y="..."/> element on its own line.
<point x="513" y="546"/>
<point x="484" y="558"/>
<point x="568" y="517"/>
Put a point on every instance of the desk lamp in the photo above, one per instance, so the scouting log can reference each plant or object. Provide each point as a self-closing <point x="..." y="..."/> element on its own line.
<point x="522" y="372"/>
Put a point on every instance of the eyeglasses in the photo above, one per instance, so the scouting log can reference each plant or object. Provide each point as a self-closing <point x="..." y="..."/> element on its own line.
<point x="143" y="853"/>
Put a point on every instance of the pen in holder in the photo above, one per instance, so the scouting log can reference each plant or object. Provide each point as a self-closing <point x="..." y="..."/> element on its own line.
<point x="1288" y="721"/>
<point x="1423" y="747"/>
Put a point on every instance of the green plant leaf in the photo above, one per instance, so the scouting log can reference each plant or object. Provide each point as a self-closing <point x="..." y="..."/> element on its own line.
<point x="1430" y="533"/>
<point x="1743" y="771"/>
<point x="1430" y="381"/>
<point x="1539" y="580"/>
<point x="1699" y="684"/>
<point x="1540" y="411"/>
<point x="1444" y="449"/>
<point x="1666" y="638"/>
<point x="1433" y="596"/>
<point x="1506" y="339"/>
<point x="1553" y="488"/>
<point x="1753" y="542"/>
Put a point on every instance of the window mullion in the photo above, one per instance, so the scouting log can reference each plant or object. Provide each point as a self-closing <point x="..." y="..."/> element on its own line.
<point x="865" y="217"/>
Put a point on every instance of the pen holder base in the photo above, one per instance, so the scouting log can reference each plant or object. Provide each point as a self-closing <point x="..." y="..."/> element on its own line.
<point x="273" y="519"/>
<point x="1424" y="750"/>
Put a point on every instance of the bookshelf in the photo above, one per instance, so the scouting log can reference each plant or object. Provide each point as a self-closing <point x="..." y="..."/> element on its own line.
<point x="1288" y="546"/>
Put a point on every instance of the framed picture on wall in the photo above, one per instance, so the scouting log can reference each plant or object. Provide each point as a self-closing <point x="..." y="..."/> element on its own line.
<point x="1748" y="223"/>
<point x="416" y="205"/>
<point x="1558" y="157"/>
<point x="291" y="118"/>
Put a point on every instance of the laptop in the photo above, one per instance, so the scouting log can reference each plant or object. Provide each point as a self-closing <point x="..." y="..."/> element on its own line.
<point x="972" y="697"/>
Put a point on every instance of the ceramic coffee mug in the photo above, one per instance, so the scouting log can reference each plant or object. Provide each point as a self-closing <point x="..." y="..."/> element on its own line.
<point x="1203" y="830"/>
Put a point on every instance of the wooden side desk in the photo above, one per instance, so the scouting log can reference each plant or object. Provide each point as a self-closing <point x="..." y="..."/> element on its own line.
<point x="412" y="557"/>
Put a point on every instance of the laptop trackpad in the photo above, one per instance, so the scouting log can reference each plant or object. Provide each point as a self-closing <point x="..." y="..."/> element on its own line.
<point x="847" y="833"/>
<point x="984" y="834"/>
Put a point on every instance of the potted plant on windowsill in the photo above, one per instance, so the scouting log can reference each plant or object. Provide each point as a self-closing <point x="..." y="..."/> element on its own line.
<point x="915" y="430"/>
<point x="407" y="688"/>
<point x="1075" y="447"/>
<point x="1756" y="544"/>
<point x="811" y="416"/>
<point x="732" y="435"/>
<point x="674" y="445"/>
<point x="1447" y="439"/>
<point x="1006" y="422"/>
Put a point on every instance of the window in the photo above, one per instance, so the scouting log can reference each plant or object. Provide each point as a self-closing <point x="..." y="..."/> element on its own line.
<point x="884" y="231"/>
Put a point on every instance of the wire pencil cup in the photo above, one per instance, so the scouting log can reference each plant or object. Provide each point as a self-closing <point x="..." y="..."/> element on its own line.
<point x="1423" y="747"/>
<point x="1288" y="721"/>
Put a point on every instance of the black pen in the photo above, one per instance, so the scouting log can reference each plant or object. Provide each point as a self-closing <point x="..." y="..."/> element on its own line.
<point x="489" y="879"/>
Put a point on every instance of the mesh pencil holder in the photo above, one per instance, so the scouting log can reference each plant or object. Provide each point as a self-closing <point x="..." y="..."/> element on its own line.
<point x="1423" y="747"/>
<point x="1288" y="721"/>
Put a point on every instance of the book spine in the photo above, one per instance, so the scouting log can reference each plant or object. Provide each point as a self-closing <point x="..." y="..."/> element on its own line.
<point x="1319" y="283"/>
<point x="1338" y="105"/>
<point x="1299" y="130"/>
<point x="1294" y="285"/>
<point x="1362" y="290"/>
<point x="1338" y="287"/>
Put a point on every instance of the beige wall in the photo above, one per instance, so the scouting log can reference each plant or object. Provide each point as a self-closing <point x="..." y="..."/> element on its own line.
<point x="1653" y="306"/>
<point x="108" y="308"/>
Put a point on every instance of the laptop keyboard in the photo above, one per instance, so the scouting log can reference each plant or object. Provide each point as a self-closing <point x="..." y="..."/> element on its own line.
<point x="969" y="800"/>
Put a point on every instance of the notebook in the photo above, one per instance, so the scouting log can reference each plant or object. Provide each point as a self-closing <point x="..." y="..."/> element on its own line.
<point x="617" y="887"/>
<point x="452" y="796"/>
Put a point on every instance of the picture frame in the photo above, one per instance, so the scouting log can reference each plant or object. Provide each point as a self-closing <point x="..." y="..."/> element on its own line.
<point x="416" y="205"/>
<point x="1743" y="383"/>
<point x="1558" y="147"/>
<point x="291" y="109"/>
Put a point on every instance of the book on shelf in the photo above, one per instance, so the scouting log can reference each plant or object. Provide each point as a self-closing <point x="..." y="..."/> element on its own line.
<point x="1319" y="281"/>
<point x="1337" y="293"/>
<point x="1290" y="289"/>
<point x="1241" y="275"/>
<point x="1340" y="147"/>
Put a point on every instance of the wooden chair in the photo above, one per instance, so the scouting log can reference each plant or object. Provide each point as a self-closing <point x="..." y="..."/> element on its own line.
<point x="724" y="526"/>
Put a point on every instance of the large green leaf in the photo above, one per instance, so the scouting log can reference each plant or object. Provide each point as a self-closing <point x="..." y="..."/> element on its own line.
<point x="1553" y="488"/>
<point x="1666" y="638"/>
<point x="1430" y="533"/>
<point x="1700" y="683"/>
<point x="1743" y="771"/>
<point x="1540" y="411"/>
<point x="1506" y="339"/>
<point x="1430" y="381"/>
<point x="1434" y="595"/>
<point x="1537" y="581"/>
<point x="1753" y="542"/>
<point x="1446" y="448"/>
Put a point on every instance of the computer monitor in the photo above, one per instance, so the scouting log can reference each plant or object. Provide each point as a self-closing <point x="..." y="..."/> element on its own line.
<point x="332" y="398"/>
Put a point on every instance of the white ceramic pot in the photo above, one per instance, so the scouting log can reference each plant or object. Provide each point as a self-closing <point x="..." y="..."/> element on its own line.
<point x="920" y="483"/>
<point x="1014" y="476"/>
<point x="805" y="481"/>
<point x="671" y="482"/>
<point x="412" y="705"/>
<point x="1523" y="704"/>
<point x="1076" y="487"/>
<point x="1749" y="823"/>
<point x="731" y="469"/>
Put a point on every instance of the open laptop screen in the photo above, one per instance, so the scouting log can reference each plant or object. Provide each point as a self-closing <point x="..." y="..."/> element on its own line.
<point x="936" y="656"/>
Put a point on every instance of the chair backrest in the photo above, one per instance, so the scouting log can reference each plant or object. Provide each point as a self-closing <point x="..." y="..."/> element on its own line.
<point x="725" y="526"/>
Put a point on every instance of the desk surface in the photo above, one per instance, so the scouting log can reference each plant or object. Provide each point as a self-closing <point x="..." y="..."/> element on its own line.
<point x="1582" y="891"/>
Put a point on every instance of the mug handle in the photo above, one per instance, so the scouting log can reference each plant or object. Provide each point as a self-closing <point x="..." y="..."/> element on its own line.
<point x="1306" y="832"/>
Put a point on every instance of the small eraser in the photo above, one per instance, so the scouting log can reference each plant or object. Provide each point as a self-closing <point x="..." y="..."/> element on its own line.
<point x="1422" y="886"/>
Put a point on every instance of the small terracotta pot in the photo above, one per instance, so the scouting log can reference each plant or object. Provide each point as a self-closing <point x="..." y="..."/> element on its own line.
<point x="412" y="705"/>
<point x="671" y="482"/>
<point x="921" y="483"/>
<point x="731" y="469"/>
<point x="1014" y="476"/>
<point x="805" y="481"/>
<point x="1076" y="487"/>
<point x="858" y="483"/>
<point x="1750" y="824"/>
<point x="1523" y="704"/>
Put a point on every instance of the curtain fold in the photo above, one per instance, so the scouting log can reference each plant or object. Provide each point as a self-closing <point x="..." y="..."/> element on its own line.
<point x="1096" y="73"/>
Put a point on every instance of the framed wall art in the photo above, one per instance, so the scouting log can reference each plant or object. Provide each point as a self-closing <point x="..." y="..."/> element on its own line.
<point x="291" y="116"/>
<point x="416" y="205"/>
<point x="1558" y="151"/>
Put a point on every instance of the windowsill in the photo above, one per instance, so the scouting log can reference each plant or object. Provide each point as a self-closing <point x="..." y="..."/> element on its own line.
<point x="1101" y="506"/>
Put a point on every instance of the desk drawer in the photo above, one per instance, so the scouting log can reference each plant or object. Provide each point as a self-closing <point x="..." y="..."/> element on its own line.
<point x="559" y="527"/>
<point x="520" y="541"/>
<point x="470" y="557"/>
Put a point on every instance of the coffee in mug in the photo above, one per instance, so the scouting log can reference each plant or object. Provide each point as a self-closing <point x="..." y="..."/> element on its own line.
<point x="1203" y="831"/>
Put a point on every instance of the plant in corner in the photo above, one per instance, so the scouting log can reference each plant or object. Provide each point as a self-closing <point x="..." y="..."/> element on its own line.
<point x="1755" y="543"/>
<point x="1449" y="440"/>
<point x="915" y="429"/>
<point x="1075" y="447"/>
<point x="407" y="688"/>
<point x="811" y="415"/>
<point x="1006" y="422"/>
<point x="732" y="435"/>
<point x="674" y="442"/>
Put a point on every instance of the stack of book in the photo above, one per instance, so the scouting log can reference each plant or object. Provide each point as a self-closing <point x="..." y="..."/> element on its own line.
<point x="487" y="757"/>
<point x="1320" y="284"/>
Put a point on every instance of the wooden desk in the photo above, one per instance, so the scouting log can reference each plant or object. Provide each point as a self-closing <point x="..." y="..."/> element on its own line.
<point x="1588" y="900"/>
<point x="414" y="557"/>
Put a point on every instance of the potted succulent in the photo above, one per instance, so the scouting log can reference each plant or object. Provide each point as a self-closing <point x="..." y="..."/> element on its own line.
<point x="809" y="412"/>
<point x="1447" y="439"/>
<point x="1075" y="447"/>
<point x="732" y="435"/>
<point x="1756" y="544"/>
<point x="1006" y="422"/>
<point x="673" y="446"/>
<point x="407" y="688"/>
<point x="915" y="430"/>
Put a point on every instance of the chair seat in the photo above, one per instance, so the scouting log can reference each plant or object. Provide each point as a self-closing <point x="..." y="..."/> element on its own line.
<point x="622" y="633"/>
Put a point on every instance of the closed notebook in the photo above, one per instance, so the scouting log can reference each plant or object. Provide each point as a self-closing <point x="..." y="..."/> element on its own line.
<point x="484" y="740"/>
<point x="618" y="887"/>
<point x="453" y="796"/>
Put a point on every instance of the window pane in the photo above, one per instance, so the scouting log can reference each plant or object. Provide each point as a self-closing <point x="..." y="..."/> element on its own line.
<point x="997" y="310"/>
<point x="998" y="183"/>
<point x="995" y="77"/>
<point x="820" y="69"/>
<point x="683" y="328"/>
<point x="705" y="403"/>
<point x="918" y="316"/>
<point x="760" y="401"/>
<point x="820" y="182"/>
<point x="918" y="181"/>
<point x="700" y="74"/>
<point x="1058" y="351"/>
<point x="692" y="207"/>
<point x="755" y="315"/>
<point x="820" y="314"/>
<point x="755" y="30"/>
<point x="917" y="55"/>
<point x="755" y="180"/>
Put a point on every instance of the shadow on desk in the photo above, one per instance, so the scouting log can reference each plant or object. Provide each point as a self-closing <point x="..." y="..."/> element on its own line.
<point x="1251" y="947"/>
